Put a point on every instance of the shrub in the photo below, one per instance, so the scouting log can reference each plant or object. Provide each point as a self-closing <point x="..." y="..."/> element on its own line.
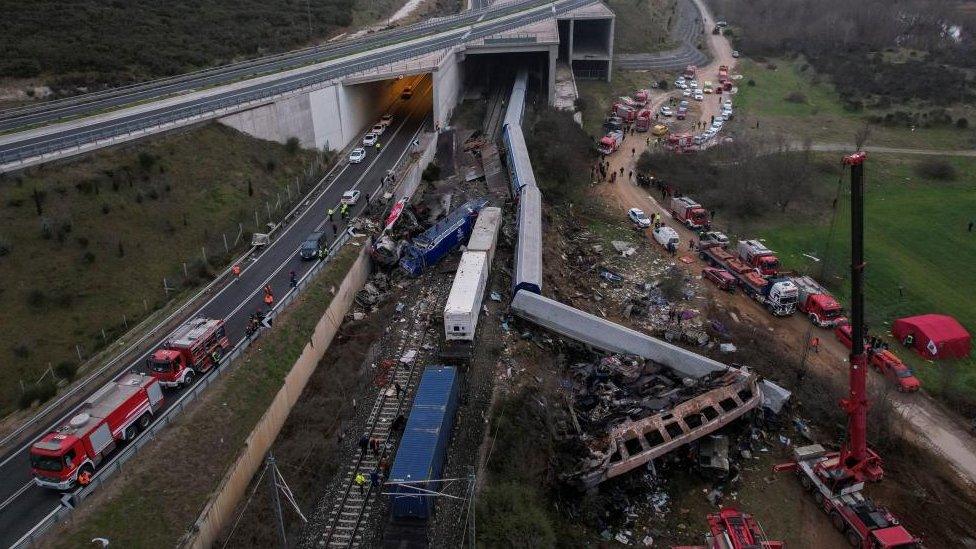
<point x="88" y="258"/>
<point x="431" y="173"/>
<point x="153" y="194"/>
<point x="292" y="146"/>
<point x="66" y="370"/>
<point x="36" y="298"/>
<point x="146" y="161"/>
<point x="106" y="209"/>
<point x="962" y="123"/>
<point x="121" y="249"/>
<point x="40" y="393"/>
<point x="751" y="82"/>
<point x="936" y="168"/>
<point x="15" y="203"/>
<point x="511" y="515"/>
<point x="270" y="165"/>
<point x="82" y="242"/>
<point x="663" y="84"/>
<point x="796" y="97"/>
<point x="21" y="351"/>
<point x="4" y="248"/>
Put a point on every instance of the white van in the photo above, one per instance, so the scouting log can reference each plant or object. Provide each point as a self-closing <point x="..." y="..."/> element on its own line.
<point x="666" y="235"/>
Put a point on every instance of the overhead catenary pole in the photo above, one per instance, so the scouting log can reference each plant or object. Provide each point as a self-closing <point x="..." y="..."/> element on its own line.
<point x="275" y="501"/>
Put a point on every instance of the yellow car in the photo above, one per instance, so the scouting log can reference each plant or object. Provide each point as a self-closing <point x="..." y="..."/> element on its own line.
<point x="659" y="130"/>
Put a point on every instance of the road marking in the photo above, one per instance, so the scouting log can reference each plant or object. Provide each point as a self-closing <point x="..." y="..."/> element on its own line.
<point x="40" y="523"/>
<point x="16" y="495"/>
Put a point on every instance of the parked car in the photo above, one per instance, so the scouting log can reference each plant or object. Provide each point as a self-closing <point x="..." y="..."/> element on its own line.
<point x="735" y="53"/>
<point x="727" y="104"/>
<point x="680" y="84"/>
<point x="712" y="239"/>
<point x="720" y="277"/>
<point x="693" y="84"/>
<point x="686" y="93"/>
<point x="721" y="24"/>
<point x="639" y="218"/>
<point x="682" y="113"/>
<point x="683" y="103"/>
<point x="666" y="111"/>
<point x="378" y="129"/>
<point x="350" y="197"/>
<point x="699" y="96"/>
<point x="386" y="119"/>
<point x="314" y="246"/>
<point x="357" y="155"/>
<point x="407" y="93"/>
<point x="370" y="139"/>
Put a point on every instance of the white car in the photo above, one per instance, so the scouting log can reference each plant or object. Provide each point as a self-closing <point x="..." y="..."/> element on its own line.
<point x="666" y="111"/>
<point x="357" y="155"/>
<point x="680" y="85"/>
<point x="735" y="53"/>
<point x="686" y="93"/>
<point x="727" y="104"/>
<point x="699" y="96"/>
<point x="378" y="129"/>
<point x="386" y="119"/>
<point x="350" y="198"/>
<point x="370" y="139"/>
<point x="639" y="218"/>
<point x="727" y="114"/>
<point x="693" y="83"/>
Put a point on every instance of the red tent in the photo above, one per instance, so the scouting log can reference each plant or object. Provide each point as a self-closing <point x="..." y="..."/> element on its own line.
<point x="933" y="336"/>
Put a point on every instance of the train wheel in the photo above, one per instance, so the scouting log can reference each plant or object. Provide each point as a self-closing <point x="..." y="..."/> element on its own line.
<point x="85" y="475"/>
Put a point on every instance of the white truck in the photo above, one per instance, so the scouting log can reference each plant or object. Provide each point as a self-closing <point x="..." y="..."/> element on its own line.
<point x="665" y="236"/>
<point x="484" y="235"/>
<point x="464" y="302"/>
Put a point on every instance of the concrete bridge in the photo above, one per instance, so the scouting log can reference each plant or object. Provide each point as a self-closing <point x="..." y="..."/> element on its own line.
<point x="334" y="93"/>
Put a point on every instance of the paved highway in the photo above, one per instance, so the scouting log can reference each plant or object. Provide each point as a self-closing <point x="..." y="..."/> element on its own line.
<point x="18" y="147"/>
<point x="88" y="104"/>
<point x="24" y="505"/>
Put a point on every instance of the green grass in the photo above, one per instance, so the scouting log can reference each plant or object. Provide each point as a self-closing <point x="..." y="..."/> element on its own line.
<point x="140" y="212"/>
<point x="163" y="500"/>
<point x="821" y="116"/>
<point x="916" y="238"/>
<point x="642" y="26"/>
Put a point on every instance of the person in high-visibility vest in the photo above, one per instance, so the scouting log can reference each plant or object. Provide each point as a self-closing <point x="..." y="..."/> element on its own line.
<point x="344" y="211"/>
<point x="268" y="295"/>
<point x="331" y="212"/>
<point x="236" y="270"/>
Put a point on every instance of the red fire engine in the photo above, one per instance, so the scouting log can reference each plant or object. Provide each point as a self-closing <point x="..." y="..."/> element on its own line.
<point x="69" y="455"/>
<point x="194" y="348"/>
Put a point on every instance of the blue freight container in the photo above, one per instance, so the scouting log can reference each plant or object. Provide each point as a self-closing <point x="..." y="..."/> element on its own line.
<point x="442" y="238"/>
<point x="423" y="447"/>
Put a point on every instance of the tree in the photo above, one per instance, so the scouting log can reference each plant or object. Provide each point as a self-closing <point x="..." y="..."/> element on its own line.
<point x="38" y="202"/>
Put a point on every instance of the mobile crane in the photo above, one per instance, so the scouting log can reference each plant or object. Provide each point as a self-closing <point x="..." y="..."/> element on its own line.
<point x="836" y="479"/>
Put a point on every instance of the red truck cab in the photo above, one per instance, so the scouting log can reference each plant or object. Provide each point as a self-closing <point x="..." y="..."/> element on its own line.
<point x="194" y="348"/>
<point x="689" y="212"/>
<point x="68" y="456"/>
<point x="817" y="303"/>
<point x="643" y="122"/>
<point x="755" y="254"/>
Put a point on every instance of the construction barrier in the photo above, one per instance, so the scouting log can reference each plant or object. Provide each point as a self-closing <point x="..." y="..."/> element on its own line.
<point x="219" y="511"/>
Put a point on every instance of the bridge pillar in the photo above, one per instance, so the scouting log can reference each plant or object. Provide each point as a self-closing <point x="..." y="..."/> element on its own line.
<point x="447" y="80"/>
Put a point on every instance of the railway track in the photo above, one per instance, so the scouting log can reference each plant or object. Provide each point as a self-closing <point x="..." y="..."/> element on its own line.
<point x="352" y="509"/>
<point x="494" y="114"/>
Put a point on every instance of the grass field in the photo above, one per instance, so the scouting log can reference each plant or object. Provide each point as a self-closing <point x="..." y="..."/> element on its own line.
<point x="817" y="113"/>
<point x="164" y="501"/>
<point x="111" y="226"/>
<point x="919" y="252"/>
<point x="642" y="25"/>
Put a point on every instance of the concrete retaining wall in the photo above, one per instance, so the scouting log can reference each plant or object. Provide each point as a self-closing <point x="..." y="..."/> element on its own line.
<point x="220" y="510"/>
<point x="411" y="180"/>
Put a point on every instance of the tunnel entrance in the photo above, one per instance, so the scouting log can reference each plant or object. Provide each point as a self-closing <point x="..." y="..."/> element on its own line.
<point x="488" y="73"/>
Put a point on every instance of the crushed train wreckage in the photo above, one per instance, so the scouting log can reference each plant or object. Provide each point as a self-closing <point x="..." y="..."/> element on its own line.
<point x="645" y="397"/>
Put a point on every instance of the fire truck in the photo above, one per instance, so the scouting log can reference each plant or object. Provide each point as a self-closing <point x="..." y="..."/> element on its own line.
<point x="68" y="456"/>
<point x="755" y="254"/>
<point x="689" y="212"/>
<point x="194" y="348"/>
<point x="817" y="303"/>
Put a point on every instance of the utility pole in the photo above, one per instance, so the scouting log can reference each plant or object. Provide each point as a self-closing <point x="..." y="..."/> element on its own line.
<point x="308" y="10"/>
<point x="272" y="474"/>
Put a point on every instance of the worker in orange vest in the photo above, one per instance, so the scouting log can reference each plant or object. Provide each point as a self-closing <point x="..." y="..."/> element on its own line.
<point x="815" y="344"/>
<point x="236" y="269"/>
<point x="268" y="295"/>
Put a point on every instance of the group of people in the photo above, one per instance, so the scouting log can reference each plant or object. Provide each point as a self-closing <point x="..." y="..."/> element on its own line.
<point x="382" y="450"/>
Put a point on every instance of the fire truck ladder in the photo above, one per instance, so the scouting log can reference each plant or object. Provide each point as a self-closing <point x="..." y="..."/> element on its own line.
<point x="352" y="510"/>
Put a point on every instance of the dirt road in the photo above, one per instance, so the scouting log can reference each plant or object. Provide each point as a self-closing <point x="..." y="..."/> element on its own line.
<point x="941" y="430"/>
